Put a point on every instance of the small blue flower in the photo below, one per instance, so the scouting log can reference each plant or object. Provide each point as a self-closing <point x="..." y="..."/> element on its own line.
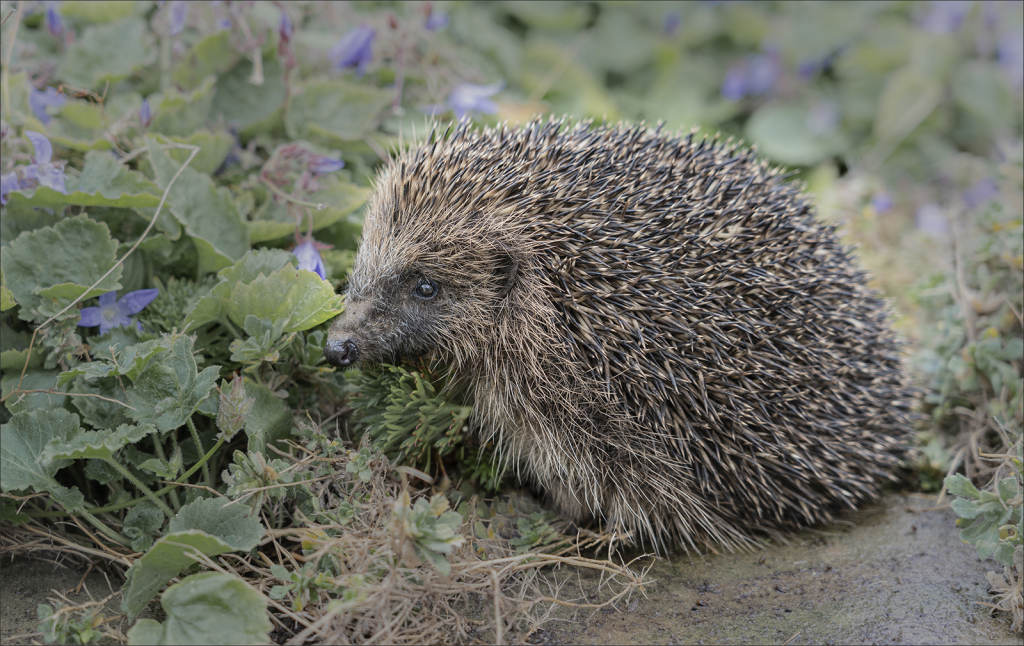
<point x="354" y="49"/>
<point x="980" y="193"/>
<point x="465" y="97"/>
<point x="145" y="114"/>
<point x="882" y="203"/>
<point x="734" y="85"/>
<point x="113" y="313"/>
<point x="178" y="16"/>
<point x="224" y="24"/>
<point x="8" y="183"/>
<point x="309" y="258"/>
<point x="670" y="23"/>
<point x="321" y="164"/>
<point x="946" y="17"/>
<point x="284" y="28"/>
<point x="755" y="75"/>
<point x="53" y="20"/>
<point x="436" y="21"/>
<point x="46" y="172"/>
<point x="40" y="100"/>
<point x="930" y="219"/>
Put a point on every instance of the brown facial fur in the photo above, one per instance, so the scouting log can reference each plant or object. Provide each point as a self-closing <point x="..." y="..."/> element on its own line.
<point x="656" y="331"/>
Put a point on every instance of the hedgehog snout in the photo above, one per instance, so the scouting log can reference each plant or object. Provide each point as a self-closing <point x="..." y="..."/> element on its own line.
<point x="341" y="353"/>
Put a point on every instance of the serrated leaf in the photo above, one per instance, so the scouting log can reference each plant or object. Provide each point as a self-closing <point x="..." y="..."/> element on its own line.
<point x="48" y="198"/>
<point x="109" y="52"/>
<point x="168" y="390"/>
<point x="301" y="296"/>
<point x="102" y="444"/>
<point x="6" y="296"/>
<point x="21" y="445"/>
<point x="273" y="221"/>
<point x="255" y="263"/>
<point x="103" y="177"/>
<point x="211" y="56"/>
<point x="217" y="517"/>
<point x="214" y="148"/>
<point x="270" y="419"/>
<point x="90" y="370"/>
<point x="1008" y="488"/>
<point x="207" y="608"/>
<point x="965" y="508"/>
<point x="1004" y="553"/>
<point x="182" y="113"/>
<point x="961" y="486"/>
<point x="208" y="213"/>
<point x="75" y="251"/>
<point x="33" y="380"/>
<point x="164" y="561"/>
<point x="327" y="110"/>
<point x="240" y="102"/>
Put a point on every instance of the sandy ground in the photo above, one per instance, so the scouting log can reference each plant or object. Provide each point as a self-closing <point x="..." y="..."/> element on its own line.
<point x="894" y="577"/>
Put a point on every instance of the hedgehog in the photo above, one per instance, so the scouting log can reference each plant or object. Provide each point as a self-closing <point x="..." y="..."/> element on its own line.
<point x="655" y="330"/>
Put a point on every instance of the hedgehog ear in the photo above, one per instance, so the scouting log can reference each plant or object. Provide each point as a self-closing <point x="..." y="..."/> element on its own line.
<point x="507" y="273"/>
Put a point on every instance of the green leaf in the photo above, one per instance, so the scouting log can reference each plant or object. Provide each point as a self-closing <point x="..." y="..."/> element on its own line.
<point x="6" y="298"/>
<point x="213" y="55"/>
<point x="109" y="52"/>
<point x="781" y="133"/>
<point x="207" y="608"/>
<point x="908" y="98"/>
<point x="178" y="113"/>
<point x="1004" y="553"/>
<point x="21" y="445"/>
<point x="208" y="213"/>
<point x="270" y="419"/>
<point x="97" y="11"/>
<point x="245" y="104"/>
<point x="981" y="90"/>
<point x="103" y="177"/>
<point x="143" y="521"/>
<point x="102" y="444"/>
<point x="33" y="380"/>
<point x="965" y="508"/>
<point x="961" y="486"/>
<point x="212" y="306"/>
<point x="164" y="561"/>
<point x="214" y="148"/>
<point x="168" y="390"/>
<point x="298" y="295"/>
<point x="273" y="221"/>
<point x="1008" y="488"/>
<point x="216" y="517"/>
<point x="76" y="251"/>
<point x="130" y="363"/>
<point x="327" y="111"/>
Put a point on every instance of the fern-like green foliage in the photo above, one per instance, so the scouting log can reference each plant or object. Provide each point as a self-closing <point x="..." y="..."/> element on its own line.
<point x="410" y="420"/>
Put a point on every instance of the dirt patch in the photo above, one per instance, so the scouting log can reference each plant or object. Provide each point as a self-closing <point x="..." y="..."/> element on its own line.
<point x="895" y="576"/>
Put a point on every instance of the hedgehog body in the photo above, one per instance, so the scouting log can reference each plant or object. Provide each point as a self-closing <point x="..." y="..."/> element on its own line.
<point x="654" y="330"/>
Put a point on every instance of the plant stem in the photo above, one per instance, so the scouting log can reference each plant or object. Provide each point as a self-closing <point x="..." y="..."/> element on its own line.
<point x="132" y="503"/>
<point x="163" y="456"/>
<point x="141" y="486"/>
<point x="100" y="525"/>
<point x="199" y="447"/>
<point x="165" y="63"/>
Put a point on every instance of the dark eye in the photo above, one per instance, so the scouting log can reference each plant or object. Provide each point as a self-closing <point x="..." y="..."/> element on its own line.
<point x="425" y="288"/>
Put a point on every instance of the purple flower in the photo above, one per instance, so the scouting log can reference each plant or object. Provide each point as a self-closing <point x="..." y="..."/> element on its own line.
<point x="40" y="100"/>
<point x="178" y="16"/>
<point x="53" y="21"/>
<point x="224" y="24"/>
<point x="8" y="183"/>
<point x="1011" y="57"/>
<point x="734" y="85"/>
<point x="145" y="114"/>
<point x="946" y="17"/>
<point x="321" y="164"/>
<point x="882" y="203"/>
<point x="114" y="313"/>
<point x="284" y="28"/>
<point x="929" y="218"/>
<point x="46" y="172"/>
<point x="670" y="23"/>
<point x="980" y="193"/>
<point x="756" y="75"/>
<point x="309" y="258"/>
<point x="436" y="21"/>
<point x="354" y="49"/>
<point x="465" y="97"/>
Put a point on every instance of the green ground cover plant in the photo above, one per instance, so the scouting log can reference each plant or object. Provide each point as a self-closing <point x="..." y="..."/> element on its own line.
<point x="182" y="194"/>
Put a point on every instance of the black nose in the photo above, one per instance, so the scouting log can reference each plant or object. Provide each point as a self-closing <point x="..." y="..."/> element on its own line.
<point x="341" y="353"/>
